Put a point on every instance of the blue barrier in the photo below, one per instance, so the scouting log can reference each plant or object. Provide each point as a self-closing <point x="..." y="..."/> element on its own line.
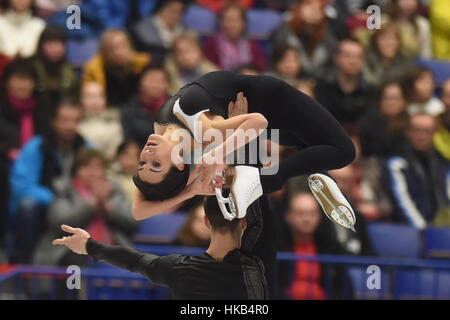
<point x="406" y="278"/>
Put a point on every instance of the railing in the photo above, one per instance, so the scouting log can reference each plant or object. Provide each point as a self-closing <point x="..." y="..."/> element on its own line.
<point x="397" y="278"/>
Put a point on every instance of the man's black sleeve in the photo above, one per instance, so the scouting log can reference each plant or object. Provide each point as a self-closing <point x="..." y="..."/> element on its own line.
<point x="158" y="270"/>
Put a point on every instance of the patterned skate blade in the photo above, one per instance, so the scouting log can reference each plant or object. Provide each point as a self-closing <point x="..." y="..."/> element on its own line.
<point x="335" y="210"/>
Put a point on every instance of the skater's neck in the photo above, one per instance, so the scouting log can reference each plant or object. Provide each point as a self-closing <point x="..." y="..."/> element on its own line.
<point x="222" y="243"/>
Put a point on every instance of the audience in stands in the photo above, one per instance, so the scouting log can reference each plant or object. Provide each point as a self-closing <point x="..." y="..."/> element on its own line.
<point x="418" y="175"/>
<point x="56" y="78"/>
<point x="400" y="172"/>
<point x="19" y="29"/>
<point x="116" y="67"/>
<point x="419" y="87"/>
<point x="381" y="130"/>
<point x="415" y="32"/>
<point x="442" y="136"/>
<point x="186" y="61"/>
<point x="229" y="47"/>
<point x="91" y="201"/>
<point x="344" y="92"/>
<point x="440" y="28"/>
<point x="155" y="34"/>
<point x="309" y="30"/>
<point x="21" y="113"/>
<point x="43" y="164"/>
<point x="310" y="235"/>
<point x="384" y="58"/>
<point x="139" y="114"/>
<point x="124" y="166"/>
<point x="286" y="64"/>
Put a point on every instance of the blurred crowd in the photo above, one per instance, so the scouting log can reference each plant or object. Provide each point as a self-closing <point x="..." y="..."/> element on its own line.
<point x="70" y="132"/>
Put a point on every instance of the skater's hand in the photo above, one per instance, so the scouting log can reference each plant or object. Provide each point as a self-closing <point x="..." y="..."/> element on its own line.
<point x="202" y="180"/>
<point x="76" y="242"/>
<point x="240" y="106"/>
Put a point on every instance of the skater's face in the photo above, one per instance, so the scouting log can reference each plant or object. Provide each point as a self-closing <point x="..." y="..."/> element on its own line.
<point x="303" y="216"/>
<point x="155" y="159"/>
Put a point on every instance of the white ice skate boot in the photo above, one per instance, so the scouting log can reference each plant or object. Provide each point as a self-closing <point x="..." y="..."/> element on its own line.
<point x="245" y="188"/>
<point x="332" y="201"/>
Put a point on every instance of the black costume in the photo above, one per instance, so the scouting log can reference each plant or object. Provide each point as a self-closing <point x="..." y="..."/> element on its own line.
<point x="304" y="124"/>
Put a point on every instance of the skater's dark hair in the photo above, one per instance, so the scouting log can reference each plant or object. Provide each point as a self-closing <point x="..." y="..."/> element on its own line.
<point x="173" y="183"/>
<point x="215" y="216"/>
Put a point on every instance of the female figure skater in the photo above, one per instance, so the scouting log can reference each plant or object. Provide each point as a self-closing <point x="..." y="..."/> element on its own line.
<point x="302" y="123"/>
<point x="165" y="181"/>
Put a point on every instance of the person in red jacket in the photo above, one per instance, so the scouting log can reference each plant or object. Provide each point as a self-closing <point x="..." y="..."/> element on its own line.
<point x="229" y="48"/>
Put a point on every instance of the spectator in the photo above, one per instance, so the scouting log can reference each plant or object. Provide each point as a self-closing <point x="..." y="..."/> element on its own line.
<point x="382" y="129"/>
<point x="229" y="48"/>
<point x="419" y="87"/>
<point x="418" y="174"/>
<point x="100" y="125"/>
<point x="186" y="62"/>
<point x="91" y="202"/>
<point x="21" y="114"/>
<point x="116" y="67"/>
<point x="355" y="243"/>
<point x="124" y="166"/>
<point x="19" y="29"/>
<point x="344" y="92"/>
<point x="311" y="32"/>
<point x="442" y="137"/>
<point x="43" y="164"/>
<point x="414" y="29"/>
<point x="56" y="78"/>
<point x="302" y="279"/>
<point x="156" y="33"/>
<point x="139" y="114"/>
<point x="440" y="28"/>
<point x="194" y="232"/>
<point x="218" y="5"/>
<point x="286" y="64"/>
<point x="384" y="59"/>
<point x="370" y="195"/>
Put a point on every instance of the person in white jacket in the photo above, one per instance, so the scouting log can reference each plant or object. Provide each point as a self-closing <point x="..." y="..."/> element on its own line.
<point x="19" y="29"/>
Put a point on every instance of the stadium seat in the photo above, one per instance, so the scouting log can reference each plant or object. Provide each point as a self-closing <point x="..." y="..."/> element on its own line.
<point x="261" y="22"/>
<point x="421" y="284"/>
<point x="394" y="240"/>
<point x="200" y="19"/>
<point x="80" y="51"/>
<point x="437" y="243"/>
<point x="162" y="228"/>
<point x="359" y="277"/>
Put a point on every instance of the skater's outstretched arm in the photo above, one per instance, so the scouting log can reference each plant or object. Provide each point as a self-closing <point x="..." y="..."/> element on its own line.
<point x="157" y="269"/>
